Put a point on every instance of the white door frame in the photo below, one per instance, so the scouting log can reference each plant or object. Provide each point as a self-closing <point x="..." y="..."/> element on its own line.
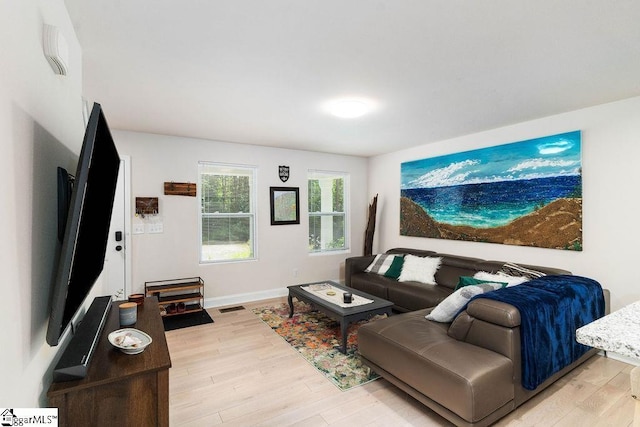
<point x="126" y="163"/>
<point x="117" y="260"/>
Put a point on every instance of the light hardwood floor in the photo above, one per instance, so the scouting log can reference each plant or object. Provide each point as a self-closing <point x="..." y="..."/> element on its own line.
<point x="238" y="372"/>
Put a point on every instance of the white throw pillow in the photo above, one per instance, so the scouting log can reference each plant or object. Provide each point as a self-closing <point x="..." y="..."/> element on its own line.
<point x="419" y="269"/>
<point x="451" y="305"/>
<point x="500" y="277"/>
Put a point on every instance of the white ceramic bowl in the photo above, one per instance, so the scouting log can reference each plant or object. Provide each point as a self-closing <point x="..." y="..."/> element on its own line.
<point x="116" y="338"/>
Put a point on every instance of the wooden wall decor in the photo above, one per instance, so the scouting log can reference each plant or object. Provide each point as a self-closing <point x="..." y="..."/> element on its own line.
<point x="146" y="206"/>
<point x="180" y="189"/>
<point x="371" y="227"/>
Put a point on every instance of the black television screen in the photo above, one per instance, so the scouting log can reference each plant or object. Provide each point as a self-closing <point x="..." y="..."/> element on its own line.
<point x="87" y="226"/>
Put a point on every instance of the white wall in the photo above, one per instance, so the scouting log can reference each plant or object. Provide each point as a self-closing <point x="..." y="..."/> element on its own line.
<point x="281" y="249"/>
<point x="41" y="127"/>
<point x="610" y="156"/>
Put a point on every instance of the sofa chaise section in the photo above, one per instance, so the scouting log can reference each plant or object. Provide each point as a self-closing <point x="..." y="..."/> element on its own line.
<point x="468" y="370"/>
<point x="458" y="380"/>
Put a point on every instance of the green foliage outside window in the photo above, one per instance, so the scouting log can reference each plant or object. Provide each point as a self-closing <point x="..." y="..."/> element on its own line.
<point x="227" y="217"/>
<point x="223" y="194"/>
<point x="315" y="195"/>
<point x="318" y="227"/>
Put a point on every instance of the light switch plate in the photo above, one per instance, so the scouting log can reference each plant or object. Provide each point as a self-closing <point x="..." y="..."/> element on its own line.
<point x="154" y="227"/>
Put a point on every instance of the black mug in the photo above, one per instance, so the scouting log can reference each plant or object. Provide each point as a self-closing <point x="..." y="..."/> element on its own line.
<point x="347" y="297"/>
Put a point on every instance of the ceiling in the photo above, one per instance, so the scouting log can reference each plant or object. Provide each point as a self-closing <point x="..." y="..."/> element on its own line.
<point x="260" y="72"/>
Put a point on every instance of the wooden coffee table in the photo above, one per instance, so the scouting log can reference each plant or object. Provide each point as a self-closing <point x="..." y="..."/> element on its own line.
<point x="344" y="315"/>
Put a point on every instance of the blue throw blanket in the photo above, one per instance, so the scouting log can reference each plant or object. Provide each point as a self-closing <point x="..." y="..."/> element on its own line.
<point x="551" y="309"/>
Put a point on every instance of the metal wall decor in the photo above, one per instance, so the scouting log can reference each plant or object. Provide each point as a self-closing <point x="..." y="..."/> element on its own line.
<point x="283" y="172"/>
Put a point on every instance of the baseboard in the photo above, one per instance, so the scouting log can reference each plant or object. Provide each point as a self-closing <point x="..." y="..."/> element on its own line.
<point x="620" y="358"/>
<point x="244" y="298"/>
<point x="250" y="297"/>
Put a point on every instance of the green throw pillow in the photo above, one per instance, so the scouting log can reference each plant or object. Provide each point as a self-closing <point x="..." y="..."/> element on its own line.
<point x="470" y="281"/>
<point x="395" y="268"/>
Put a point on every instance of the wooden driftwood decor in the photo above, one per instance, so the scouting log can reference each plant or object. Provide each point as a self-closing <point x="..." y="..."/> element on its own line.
<point x="180" y="189"/>
<point x="371" y="227"/>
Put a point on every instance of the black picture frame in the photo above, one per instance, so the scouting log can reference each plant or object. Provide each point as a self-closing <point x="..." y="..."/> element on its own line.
<point x="285" y="205"/>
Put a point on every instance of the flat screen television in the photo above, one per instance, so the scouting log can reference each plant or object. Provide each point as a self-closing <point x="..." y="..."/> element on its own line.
<point x="86" y="229"/>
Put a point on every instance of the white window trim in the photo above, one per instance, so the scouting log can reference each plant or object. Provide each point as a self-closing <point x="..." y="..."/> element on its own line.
<point x="254" y="213"/>
<point x="346" y="176"/>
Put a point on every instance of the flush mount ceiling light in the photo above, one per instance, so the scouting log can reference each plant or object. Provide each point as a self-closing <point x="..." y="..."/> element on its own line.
<point x="349" y="108"/>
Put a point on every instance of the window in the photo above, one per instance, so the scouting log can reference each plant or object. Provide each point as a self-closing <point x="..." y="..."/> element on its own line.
<point x="227" y="212"/>
<point x="328" y="205"/>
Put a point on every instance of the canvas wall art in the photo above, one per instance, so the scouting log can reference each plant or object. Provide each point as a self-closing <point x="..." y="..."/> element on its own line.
<point x="526" y="193"/>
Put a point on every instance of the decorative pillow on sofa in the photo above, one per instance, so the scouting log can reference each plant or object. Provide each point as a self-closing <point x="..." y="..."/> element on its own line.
<point x="470" y="281"/>
<point x="520" y="271"/>
<point x="500" y="278"/>
<point x="451" y="305"/>
<point x="396" y="268"/>
<point x="419" y="269"/>
<point x="382" y="263"/>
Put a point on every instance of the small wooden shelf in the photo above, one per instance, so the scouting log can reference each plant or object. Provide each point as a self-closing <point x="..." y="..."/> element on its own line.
<point x="179" y="298"/>
<point x="188" y="291"/>
<point x="189" y="309"/>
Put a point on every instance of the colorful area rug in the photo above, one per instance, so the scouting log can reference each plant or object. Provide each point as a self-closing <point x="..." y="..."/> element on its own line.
<point x="317" y="338"/>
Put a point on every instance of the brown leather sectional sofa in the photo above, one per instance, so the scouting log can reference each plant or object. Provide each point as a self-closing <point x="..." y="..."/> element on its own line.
<point x="468" y="371"/>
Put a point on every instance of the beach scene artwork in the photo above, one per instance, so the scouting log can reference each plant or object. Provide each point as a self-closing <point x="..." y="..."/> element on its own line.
<point x="526" y="193"/>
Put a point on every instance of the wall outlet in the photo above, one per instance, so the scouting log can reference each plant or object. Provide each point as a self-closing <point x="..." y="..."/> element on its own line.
<point x="295" y="272"/>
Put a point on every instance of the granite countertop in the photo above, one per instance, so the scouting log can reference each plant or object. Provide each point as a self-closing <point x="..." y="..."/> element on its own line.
<point x="618" y="332"/>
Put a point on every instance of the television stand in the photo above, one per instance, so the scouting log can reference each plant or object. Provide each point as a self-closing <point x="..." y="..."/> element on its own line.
<point x="120" y="389"/>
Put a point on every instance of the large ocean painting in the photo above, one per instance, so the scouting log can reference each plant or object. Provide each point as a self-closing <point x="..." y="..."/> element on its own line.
<point x="526" y="193"/>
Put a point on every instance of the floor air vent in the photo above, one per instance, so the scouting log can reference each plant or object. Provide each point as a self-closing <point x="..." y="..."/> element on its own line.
<point x="228" y="309"/>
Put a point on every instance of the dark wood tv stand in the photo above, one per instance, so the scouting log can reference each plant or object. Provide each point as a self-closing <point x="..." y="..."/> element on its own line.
<point x="120" y="389"/>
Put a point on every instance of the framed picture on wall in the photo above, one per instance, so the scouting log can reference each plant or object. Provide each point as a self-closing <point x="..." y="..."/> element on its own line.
<point x="525" y="193"/>
<point x="285" y="205"/>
